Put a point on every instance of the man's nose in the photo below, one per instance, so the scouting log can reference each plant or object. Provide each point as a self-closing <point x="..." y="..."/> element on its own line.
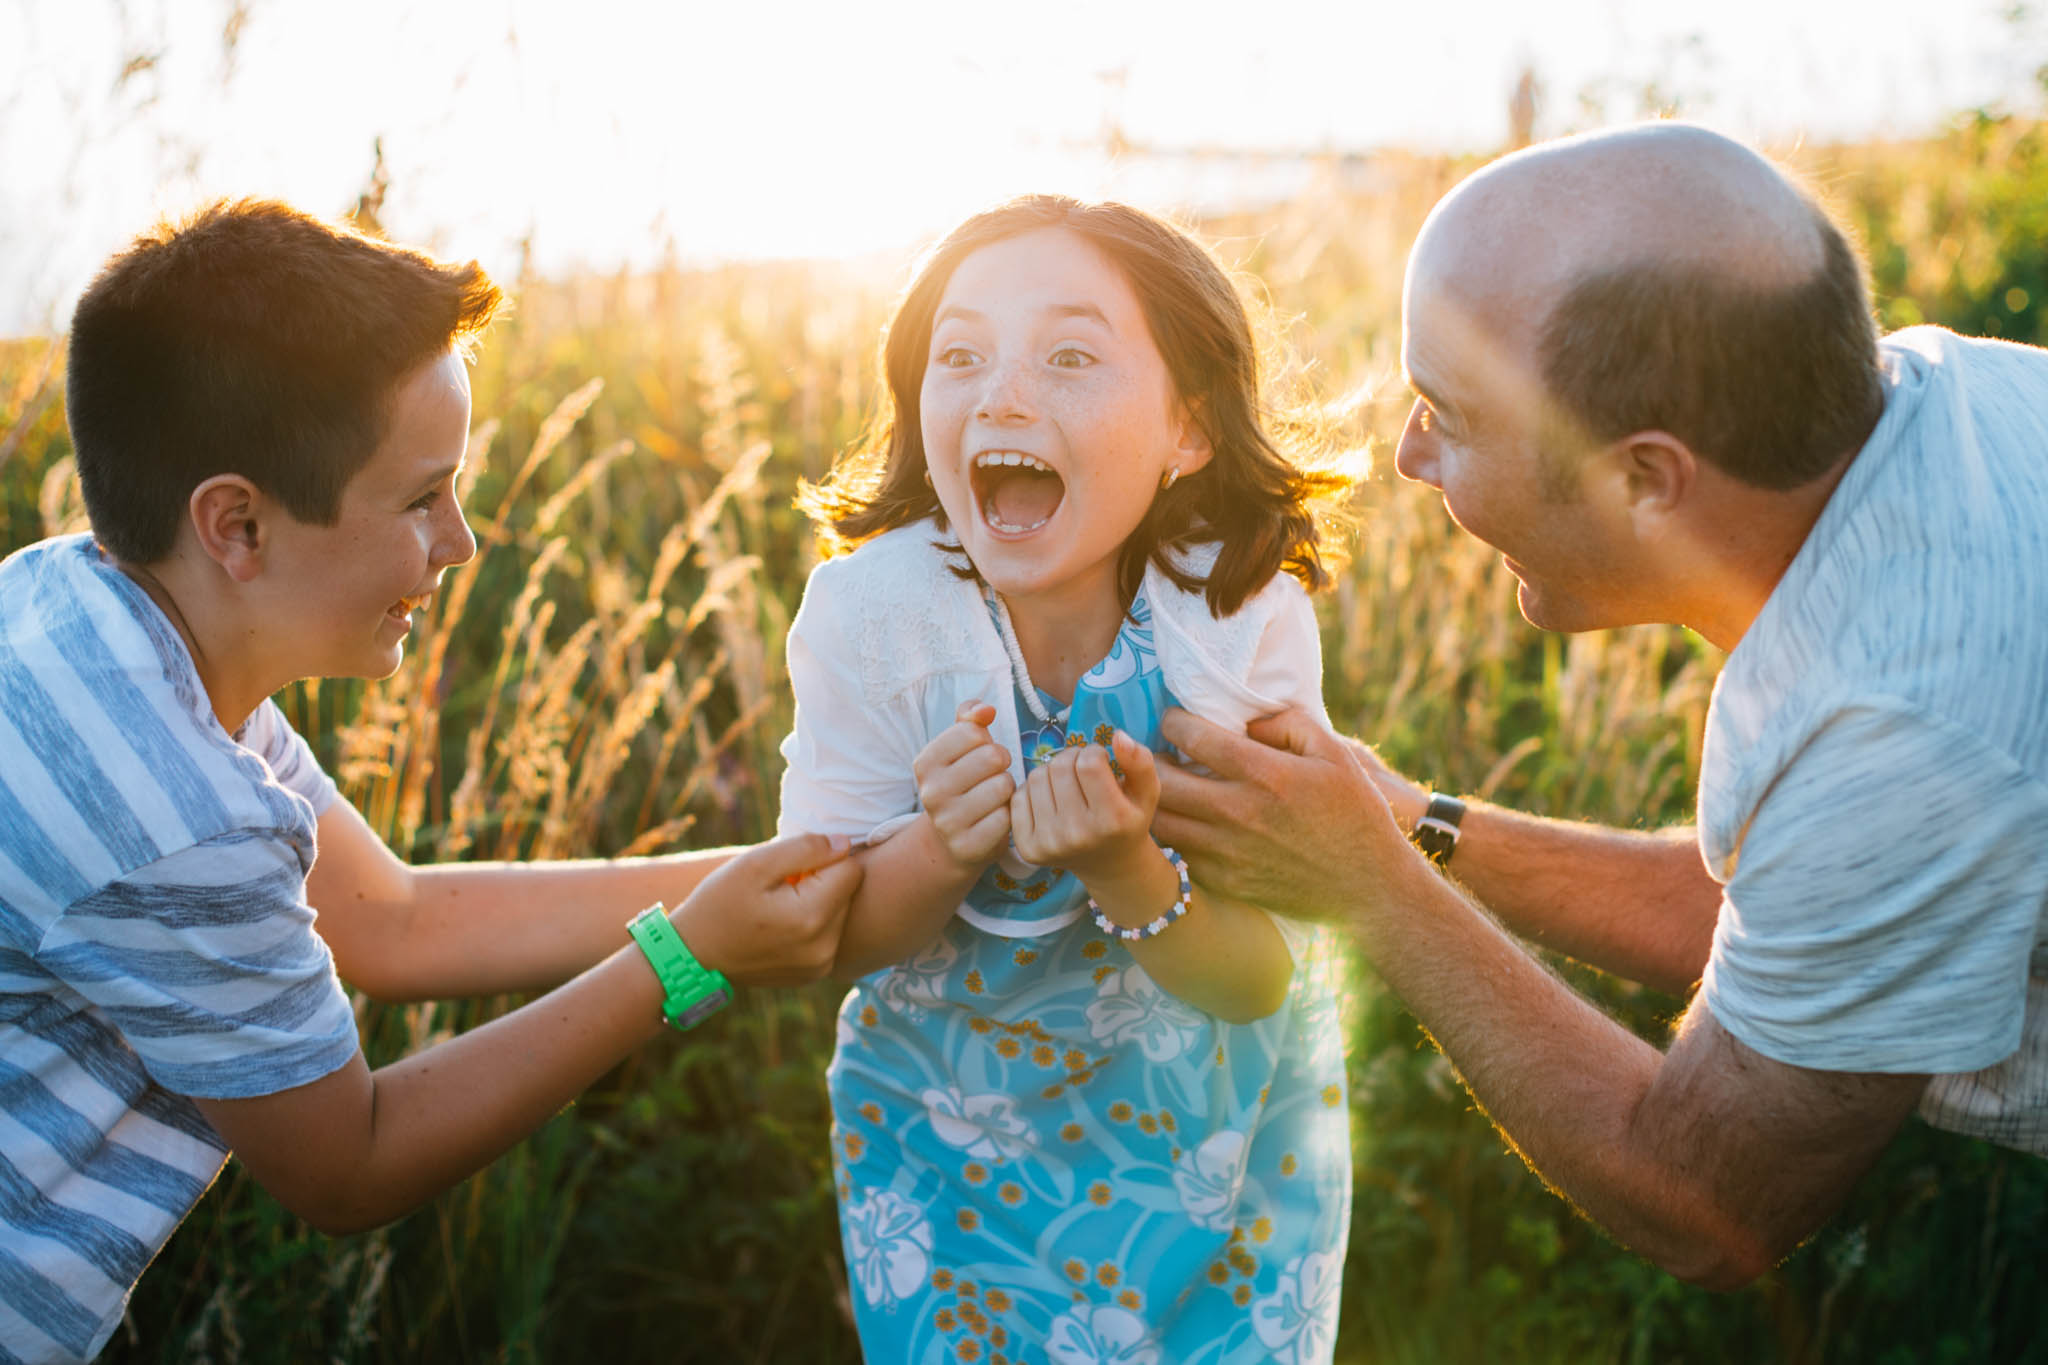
<point x="1415" y="454"/>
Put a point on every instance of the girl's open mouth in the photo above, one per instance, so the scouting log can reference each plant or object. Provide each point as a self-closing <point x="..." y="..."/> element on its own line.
<point x="1016" y="493"/>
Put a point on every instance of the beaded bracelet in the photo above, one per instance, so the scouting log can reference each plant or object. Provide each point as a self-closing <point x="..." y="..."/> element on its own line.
<point x="1157" y="926"/>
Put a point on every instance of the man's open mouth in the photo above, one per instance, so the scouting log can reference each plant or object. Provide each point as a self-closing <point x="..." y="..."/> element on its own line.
<point x="1015" y="492"/>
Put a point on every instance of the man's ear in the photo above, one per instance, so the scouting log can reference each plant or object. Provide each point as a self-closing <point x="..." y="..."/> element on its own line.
<point x="1652" y="473"/>
<point x="229" y="516"/>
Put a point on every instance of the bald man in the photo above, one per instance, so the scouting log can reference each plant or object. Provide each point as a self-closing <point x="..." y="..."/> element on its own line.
<point x="1647" y="373"/>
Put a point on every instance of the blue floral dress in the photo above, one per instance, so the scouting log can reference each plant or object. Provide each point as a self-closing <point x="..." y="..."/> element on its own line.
<point x="1041" y="1155"/>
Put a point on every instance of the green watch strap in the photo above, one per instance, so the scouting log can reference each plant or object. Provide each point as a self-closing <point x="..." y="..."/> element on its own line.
<point x="691" y="991"/>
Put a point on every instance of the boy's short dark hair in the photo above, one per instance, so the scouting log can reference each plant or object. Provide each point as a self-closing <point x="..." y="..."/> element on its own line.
<point x="249" y="339"/>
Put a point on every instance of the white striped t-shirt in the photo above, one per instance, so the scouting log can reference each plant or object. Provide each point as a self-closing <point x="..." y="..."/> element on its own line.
<point x="1874" y="787"/>
<point x="155" y="942"/>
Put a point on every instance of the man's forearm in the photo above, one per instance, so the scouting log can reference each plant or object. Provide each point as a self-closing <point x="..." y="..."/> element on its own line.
<point x="1569" y="1086"/>
<point x="1638" y="904"/>
<point x="1635" y="903"/>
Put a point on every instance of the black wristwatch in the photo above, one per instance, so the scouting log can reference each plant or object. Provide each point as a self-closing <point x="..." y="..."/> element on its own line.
<point x="1436" y="833"/>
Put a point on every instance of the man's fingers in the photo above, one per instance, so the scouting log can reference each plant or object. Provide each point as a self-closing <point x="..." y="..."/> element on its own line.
<point x="1297" y="732"/>
<point x="1221" y="751"/>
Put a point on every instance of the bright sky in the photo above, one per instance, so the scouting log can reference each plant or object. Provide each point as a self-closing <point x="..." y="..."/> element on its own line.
<point x="600" y="130"/>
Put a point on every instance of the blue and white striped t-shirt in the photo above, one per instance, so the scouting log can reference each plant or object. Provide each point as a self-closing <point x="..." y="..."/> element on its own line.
<point x="155" y="941"/>
<point x="1874" y="786"/>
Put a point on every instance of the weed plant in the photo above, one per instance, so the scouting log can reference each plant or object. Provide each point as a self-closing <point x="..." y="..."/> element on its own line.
<point x="606" y="677"/>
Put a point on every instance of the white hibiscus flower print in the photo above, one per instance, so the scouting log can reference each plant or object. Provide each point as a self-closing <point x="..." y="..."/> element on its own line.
<point x="1298" y="1321"/>
<point x="888" y="1246"/>
<point x="985" y="1126"/>
<point x="1209" y="1178"/>
<point x="1101" y="1336"/>
<point x="1130" y="1007"/>
<point x="910" y="987"/>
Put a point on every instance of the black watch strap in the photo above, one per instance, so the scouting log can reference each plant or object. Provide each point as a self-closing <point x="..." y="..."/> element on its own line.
<point x="1436" y="833"/>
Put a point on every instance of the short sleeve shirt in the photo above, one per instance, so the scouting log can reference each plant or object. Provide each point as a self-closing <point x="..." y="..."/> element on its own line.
<point x="1874" y="787"/>
<point x="155" y="942"/>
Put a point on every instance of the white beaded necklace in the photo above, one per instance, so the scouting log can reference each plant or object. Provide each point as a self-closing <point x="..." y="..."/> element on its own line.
<point x="1022" y="674"/>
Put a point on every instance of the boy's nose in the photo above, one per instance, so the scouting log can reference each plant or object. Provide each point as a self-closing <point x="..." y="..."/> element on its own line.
<point x="1415" y="454"/>
<point x="455" y="543"/>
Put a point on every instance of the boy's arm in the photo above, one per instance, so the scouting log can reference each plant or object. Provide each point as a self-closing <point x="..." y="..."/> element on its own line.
<point x="461" y="929"/>
<point x="357" y="1148"/>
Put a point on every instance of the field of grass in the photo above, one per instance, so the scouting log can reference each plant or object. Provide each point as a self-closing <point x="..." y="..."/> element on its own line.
<point x="606" y="677"/>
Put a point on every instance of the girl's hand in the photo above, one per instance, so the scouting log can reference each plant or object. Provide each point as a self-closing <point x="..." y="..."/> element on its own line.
<point x="1074" y="813"/>
<point x="964" y="785"/>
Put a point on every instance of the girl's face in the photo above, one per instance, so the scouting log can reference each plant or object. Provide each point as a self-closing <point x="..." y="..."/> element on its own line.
<point x="1048" y="417"/>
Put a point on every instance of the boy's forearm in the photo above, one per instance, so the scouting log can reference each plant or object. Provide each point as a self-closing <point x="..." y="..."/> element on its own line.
<point x="486" y="928"/>
<point x="910" y="887"/>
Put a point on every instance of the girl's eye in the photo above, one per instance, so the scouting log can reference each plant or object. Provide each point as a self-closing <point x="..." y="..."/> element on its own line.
<point x="953" y="357"/>
<point x="1070" y="359"/>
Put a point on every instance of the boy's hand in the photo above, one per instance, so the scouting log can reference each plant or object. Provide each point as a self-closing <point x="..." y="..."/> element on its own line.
<point x="1074" y="813"/>
<point x="964" y="785"/>
<point x="771" y="916"/>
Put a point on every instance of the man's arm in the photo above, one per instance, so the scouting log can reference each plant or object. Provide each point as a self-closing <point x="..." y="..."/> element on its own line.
<point x="1640" y="905"/>
<point x="357" y="1148"/>
<point x="462" y="929"/>
<point x="1713" y="1160"/>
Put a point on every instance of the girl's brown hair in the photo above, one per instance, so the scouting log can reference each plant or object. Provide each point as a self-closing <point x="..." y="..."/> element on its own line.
<point x="1266" y="512"/>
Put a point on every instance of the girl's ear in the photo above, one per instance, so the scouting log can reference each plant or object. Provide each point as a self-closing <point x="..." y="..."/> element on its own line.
<point x="1191" y="448"/>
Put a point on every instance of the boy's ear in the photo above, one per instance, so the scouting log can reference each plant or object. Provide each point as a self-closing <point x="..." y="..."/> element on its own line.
<point x="229" y="515"/>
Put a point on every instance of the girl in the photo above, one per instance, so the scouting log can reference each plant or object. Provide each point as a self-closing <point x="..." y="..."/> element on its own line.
<point x="1081" y="1112"/>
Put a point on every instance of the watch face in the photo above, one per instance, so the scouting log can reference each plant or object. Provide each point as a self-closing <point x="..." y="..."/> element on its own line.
<point x="703" y="1009"/>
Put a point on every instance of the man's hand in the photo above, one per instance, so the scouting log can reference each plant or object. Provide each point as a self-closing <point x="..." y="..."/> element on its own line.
<point x="1288" y="820"/>
<point x="771" y="916"/>
<point x="964" y="785"/>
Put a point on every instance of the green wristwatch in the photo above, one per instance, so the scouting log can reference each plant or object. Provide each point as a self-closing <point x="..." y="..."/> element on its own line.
<point x="691" y="991"/>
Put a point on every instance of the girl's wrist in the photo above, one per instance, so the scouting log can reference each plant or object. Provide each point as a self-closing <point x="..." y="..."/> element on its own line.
<point x="1137" y="888"/>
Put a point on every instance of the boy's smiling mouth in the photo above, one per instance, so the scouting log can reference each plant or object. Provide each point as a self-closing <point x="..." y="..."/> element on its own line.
<point x="1017" y="493"/>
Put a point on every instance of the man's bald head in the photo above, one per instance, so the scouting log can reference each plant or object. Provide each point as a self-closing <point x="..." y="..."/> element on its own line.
<point x="1665" y="277"/>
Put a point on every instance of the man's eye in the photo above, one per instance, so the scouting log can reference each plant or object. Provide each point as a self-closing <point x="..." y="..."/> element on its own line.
<point x="1425" y="417"/>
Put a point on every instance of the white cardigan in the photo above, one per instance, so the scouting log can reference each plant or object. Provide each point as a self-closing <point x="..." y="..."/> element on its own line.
<point x="889" y="641"/>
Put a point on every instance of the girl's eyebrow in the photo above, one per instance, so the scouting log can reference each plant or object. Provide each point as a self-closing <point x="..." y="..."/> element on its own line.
<point x="1086" y="311"/>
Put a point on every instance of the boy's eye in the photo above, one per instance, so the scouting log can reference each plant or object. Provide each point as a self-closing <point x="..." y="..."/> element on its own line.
<point x="425" y="501"/>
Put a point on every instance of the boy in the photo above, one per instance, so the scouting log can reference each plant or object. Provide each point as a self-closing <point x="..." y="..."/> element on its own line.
<point x="269" y="414"/>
